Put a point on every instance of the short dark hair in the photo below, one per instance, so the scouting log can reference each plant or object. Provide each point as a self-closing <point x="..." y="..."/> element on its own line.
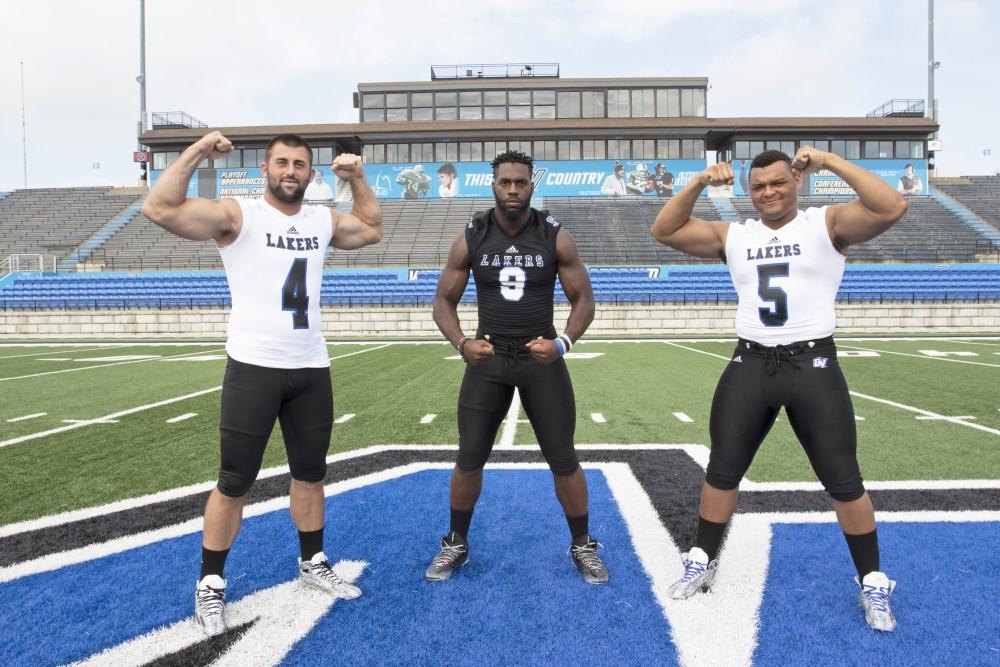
<point x="290" y="140"/>
<point x="513" y="156"/>
<point x="619" y="167"/>
<point x="447" y="168"/>
<point x="767" y="158"/>
<point x="908" y="166"/>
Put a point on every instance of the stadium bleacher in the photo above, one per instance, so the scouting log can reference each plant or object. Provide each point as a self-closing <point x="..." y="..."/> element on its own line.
<point x="55" y="221"/>
<point x="612" y="284"/>
<point x="980" y="194"/>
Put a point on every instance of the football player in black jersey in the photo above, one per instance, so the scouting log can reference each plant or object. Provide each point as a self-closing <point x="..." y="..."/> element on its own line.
<point x="515" y="253"/>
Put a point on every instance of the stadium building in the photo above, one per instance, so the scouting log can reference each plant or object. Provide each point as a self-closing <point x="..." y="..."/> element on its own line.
<point x="608" y="151"/>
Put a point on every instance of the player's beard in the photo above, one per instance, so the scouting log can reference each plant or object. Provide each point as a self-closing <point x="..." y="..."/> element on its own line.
<point x="293" y="197"/>
<point x="509" y="214"/>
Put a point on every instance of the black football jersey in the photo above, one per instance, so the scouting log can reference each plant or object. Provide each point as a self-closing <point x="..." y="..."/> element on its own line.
<point x="515" y="275"/>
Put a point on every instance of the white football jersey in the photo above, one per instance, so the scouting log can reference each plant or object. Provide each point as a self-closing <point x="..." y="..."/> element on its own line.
<point x="786" y="279"/>
<point x="275" y="272"/>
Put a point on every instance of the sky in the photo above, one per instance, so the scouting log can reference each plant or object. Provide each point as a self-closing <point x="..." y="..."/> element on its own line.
<point x="269" y="63"/>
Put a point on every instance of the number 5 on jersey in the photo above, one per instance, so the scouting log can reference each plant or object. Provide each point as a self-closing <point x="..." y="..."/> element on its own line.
<point x="776" y="315"/>
<point x="293" y="294"/>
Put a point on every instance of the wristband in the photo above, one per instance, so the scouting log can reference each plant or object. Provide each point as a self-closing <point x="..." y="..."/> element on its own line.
<point x="461" y="346"/>
<point x="567" y="341"/>
<point x="560" y="345"/>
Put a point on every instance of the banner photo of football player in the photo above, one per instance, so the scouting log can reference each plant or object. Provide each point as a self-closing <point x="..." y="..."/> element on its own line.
<point x="553" y="178"/>
<point x="908" y="177"/>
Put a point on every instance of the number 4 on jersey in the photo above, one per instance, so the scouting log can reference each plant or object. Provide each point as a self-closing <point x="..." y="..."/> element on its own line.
<point x="293" y="294"/>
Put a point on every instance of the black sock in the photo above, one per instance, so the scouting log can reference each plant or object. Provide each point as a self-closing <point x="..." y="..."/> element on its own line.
<point x="864" y="552"/>
<point x="710" y="535"/>
<point x="212" y="562"/>
<point x="310" y="542"/>
<point x="579" y="526"/>
<point x="460" y="521"/>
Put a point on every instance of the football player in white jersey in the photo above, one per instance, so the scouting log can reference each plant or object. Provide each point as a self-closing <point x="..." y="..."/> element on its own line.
<point x="786" y="267"/>
<point x="278" y="368"/>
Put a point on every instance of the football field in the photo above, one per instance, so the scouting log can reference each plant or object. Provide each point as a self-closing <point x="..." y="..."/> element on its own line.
<point x="108" y="449"/>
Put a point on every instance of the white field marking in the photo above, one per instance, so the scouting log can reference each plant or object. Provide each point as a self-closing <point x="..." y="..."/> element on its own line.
<point x="920" y="356"/>
<point x="428" y="418"/>
<point x="598" y="418"/>
<point x="510" y="422"/>
<point x="683" y="417"/>
<point x="346" y="417"/>
<point x="114" y="415"/>
<point x="39" y="354"/>
<point x="203" y="357"/>
<point x="284" y="614"/>
<point x="949" y="353"/>
<point x="698" y="453"/>
<point x="351" y="354"/>
<point x="25" y="417"/>
<point x="91" y="552"/>
<point x="858" y="419"/>
<point x="884" y="401"/>
<point x="927" y="413"/>
<point x="953" y="417"/>
<point x="121" y="357"/>
<point x="99" y="420"/>
<point x="923" y="516"/>
<point x="704" y="632"/>
<point x="856" y="353"/>
<point x="183" y="417"/>
<point x="886" y="485"/>
<point x="694" y="349"/>
<point x="87" y="368"/>
<point x="54" y="359"/>
<point x="968" y="341"/>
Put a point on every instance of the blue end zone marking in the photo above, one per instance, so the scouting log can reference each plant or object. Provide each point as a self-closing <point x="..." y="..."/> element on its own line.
<point x="945" y="600"/>
<point x="519" y="600"/>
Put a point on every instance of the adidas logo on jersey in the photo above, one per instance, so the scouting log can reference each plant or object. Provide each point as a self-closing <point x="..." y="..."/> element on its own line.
<point x="774" y="240"/>
<point x="511" y="250"/>
<point x="292" y="230"/>
<point x="738" y="359"/>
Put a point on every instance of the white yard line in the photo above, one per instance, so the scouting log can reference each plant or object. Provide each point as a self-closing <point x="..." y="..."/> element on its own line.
<point x="115" y="415"/>
<point x="918" y="356"/>
<point x="183" y="417"/>
<point x="25" y="417"/>
<point x="683" y="417"/>
<point x="98" y="420"/>
<point x="901" y="406"/>
<point x="344" y="418"/>
<point x="428" y="418"/>
<point x="117" y="363"/>
<point x="598" y="418"/>
<point x="351" y="354"/>
<point x="42" y="354"/>
<point x="510" y="422"/>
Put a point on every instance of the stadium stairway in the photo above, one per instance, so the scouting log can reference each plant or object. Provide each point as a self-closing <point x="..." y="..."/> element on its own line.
<point x="724" y="207"/>
<point x="98" y="238"/>
<point x="964" y="214"/>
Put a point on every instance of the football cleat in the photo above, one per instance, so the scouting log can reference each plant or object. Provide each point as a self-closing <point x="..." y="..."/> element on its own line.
<point x="876" y="589"/>
<point x="317" y="573"/>
<point x="453" y="555"/>
<point x="210" y="604"/>
<point x="698" y="575"/>
<point x="587" y="562"/>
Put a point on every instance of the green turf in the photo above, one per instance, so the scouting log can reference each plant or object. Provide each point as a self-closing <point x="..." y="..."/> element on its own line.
<point x="636" y="387"/>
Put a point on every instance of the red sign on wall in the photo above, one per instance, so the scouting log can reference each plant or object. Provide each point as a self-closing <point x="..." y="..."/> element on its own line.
<point x="140" y="156"/>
